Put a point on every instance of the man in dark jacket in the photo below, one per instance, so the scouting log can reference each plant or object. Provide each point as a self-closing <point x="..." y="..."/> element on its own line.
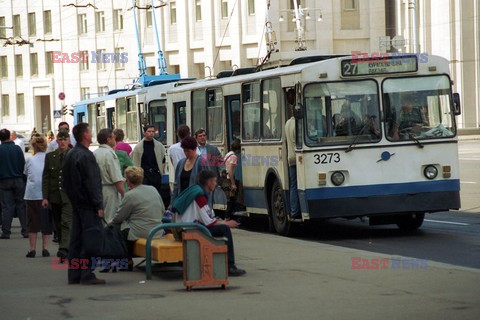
<point x="83" y="185"/>
<point x="12" y="185"/>
<point x="54" y="195"/>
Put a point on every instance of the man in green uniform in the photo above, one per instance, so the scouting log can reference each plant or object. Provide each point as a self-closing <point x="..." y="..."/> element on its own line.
<point x="53" y="194"/>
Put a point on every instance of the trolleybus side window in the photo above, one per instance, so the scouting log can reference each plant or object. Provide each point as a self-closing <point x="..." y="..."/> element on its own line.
<point x="198" y="110"/>
<point x="132" y="122"/>
<point x="340" y="112"/>
<point x="121" y="106"/>
<point x="92" y="120"/>
<point x="418" y="107"/>
<point x="180" y="109"/>
<point x="158" y="117"/>
<point x="251" y="111"/>
<point x="100" y="113"/>
<point x="215" y="115"/>
<point x="272" y="106"/>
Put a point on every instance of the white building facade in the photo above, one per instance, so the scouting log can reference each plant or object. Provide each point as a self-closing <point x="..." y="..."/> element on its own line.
<point x="39" y="57"/>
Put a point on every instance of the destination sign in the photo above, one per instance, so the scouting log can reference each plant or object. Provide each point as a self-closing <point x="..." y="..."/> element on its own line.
<point x="383" y="65"/>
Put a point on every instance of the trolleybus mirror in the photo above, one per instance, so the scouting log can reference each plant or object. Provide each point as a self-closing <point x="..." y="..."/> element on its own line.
<point x="298" y="111"/>
<point x="456" y="104"/>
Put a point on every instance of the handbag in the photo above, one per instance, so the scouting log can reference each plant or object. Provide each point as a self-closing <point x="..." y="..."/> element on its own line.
<point x="104" y="242"/>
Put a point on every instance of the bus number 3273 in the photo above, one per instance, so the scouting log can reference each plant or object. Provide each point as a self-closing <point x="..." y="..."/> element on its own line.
<point x="326" y="158"/>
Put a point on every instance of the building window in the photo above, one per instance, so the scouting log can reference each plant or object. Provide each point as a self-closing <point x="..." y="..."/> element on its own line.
<point x="17" y="30"/>
<point x="149" y="18"/>
<point x="101" y="91"/>
<point x="350" y="5"/>
<point x="32" y="24"/>
<point x="99" y="21"/>
<point x="4" y="66"/>
<point x="49" y="62"/>
<point x="251" y="7"/>
<point x="5" y="105"/>
<point x="18" y="65"/>
<point x="101" y="65"/>
<point x="33" y="64"/>
<point x="20" y="104"/>
<point x="82" y="24"/>
<point x="350" y="15"/>
<point x="83" y="60"/>
<point x="198" y="10"/>
<point x="224" y="7"/>
<point x="173" y="12"/>
<point x="117" y="20"/>
<point x="3" y="31"/>
<point x="119" y="61"/>
<point x="84" y="93"/>
<point x="47" y="21"/>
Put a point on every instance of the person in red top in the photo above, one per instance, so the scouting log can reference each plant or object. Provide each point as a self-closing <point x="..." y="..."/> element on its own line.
<point x="122" y="146"/>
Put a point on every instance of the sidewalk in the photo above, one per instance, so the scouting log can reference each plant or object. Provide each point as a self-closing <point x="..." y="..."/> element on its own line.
<point x="287" y="279"/>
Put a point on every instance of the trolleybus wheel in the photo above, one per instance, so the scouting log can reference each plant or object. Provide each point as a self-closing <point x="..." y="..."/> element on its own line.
<point x="410" y="222"/>
<point x="279" y="214"/>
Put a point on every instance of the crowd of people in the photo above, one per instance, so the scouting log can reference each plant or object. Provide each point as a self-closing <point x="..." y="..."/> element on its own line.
<point x="65" y="189"/>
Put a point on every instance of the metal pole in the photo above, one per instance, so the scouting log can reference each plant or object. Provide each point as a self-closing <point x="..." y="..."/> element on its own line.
<point x="162" y="64"/>
<point x="298" y="24"/>
<point x="412" y="6"/>
<point x="141" y="62"/>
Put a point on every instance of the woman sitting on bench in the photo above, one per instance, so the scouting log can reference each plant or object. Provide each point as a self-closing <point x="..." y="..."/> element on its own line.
<point x="140" y="210"/>
<point x="192" y="206"/>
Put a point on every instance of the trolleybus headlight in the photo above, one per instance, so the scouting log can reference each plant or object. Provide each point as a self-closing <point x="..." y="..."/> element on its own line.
<point x="430" y="172"/>
<point x="337" y="178"/>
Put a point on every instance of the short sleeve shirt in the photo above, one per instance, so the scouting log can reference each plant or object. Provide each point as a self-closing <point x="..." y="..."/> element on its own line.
<point x="109" y="165"/>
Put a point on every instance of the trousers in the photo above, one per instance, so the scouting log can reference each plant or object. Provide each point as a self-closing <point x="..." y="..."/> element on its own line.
<point x="82" y="219"/>
<point x="62" y="218"/>
<point x="12" y="191"/>
<point x="222" y="230"/>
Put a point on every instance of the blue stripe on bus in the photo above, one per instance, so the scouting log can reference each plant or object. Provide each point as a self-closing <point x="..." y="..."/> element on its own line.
<point x="383" y="189"/>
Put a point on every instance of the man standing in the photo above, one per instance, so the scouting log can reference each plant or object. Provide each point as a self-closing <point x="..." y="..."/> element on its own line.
<point x="54" y="145"/>
<point x="210" y="154"/>
<point x="175" y="151"/>
<point x="83" y="184"/>
<point x="12" y="185"/>
<point x="149" y="154"/>
<point x="112" y="179"/>
<point x="54" y="195"/>
<point x="290" y="135"/>
<point x="17" y="140"/>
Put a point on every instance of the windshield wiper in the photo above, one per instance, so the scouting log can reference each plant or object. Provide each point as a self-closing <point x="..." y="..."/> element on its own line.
<point x="354" y="142"/>
<point x="412" y="137"/>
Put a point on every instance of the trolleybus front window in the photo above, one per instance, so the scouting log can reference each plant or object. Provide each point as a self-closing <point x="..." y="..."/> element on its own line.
<point x="341" y="112"/>
<point x="418" y="108"/>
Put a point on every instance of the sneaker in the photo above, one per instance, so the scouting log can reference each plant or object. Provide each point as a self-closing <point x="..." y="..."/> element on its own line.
<point x="45" y="253"/>
<point x="93" y="281"/>
<point x="4" y="236"/>
<point x="236" y="272"/>
<point x="31" y="254"/>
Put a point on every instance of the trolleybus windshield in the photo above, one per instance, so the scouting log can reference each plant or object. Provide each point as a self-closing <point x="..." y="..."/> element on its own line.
<point x="418" y="107"/>
<point x="338" y="112"/>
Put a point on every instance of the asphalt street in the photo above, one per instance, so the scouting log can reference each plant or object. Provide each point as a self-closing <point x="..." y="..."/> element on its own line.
<point x="322" y="273"/>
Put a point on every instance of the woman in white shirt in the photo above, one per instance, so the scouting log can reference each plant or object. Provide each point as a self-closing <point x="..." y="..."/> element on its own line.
<point x="39" y="219"/>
